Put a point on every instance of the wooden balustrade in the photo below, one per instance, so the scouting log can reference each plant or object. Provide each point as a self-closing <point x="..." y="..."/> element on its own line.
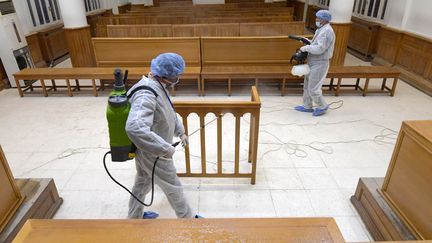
<point x="238" y="109"/>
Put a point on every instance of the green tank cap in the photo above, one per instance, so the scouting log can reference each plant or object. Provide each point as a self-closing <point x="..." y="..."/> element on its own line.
<point x="118" y="77"/>
<point x="117" y="100"/>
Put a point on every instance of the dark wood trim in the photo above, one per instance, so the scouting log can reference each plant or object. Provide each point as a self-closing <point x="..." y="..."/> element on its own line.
<point x="80" y="46"/>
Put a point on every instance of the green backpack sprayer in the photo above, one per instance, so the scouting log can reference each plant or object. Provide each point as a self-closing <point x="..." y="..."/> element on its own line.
<point x="122" y="148"/>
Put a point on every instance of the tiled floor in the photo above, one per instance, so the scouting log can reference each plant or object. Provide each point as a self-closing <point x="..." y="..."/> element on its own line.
<point x="313" y="173"/>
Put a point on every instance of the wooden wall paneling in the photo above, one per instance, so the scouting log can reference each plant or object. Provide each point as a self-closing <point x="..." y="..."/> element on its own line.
<point x="310" y="17"/>
<point x="363" y="38"/>
<point x="80" y="46"/>
<point x="298" y="10"/>
<point x="408" y="180"/>
<point x="3" y="76"/>
<point x="184" y="30"/>
<point x="124" y="8"/>
<point x="53" y="44"/>
<point x="388" y="46"/>
<point x="413" y="54"/>
<point x="10" y="195"/>
<point x="35" y="49"/>
<point x="342" y="32"/>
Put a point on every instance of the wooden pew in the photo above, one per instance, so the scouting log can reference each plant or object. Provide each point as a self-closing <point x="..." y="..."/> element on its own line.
<point x="138" y="52"/>
<point x="221" y="29"/>
<point x="253" y="58"/>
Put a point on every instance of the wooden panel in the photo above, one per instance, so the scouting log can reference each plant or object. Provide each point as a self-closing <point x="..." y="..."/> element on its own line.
<point x="247" y="50"/>
<point x="342" y="32"/>
<point x="363" y="37"/>
<point x="160" y="30"/>
<point x="408" y="180"/>
<point x="52" y="43"/>
<point x="298" y="9"/>
<point x="139" y="52"/>
<point x="388" y="44"/>
<point x="415" y="54"/>
<point x="272" y="29"/>
<point x="10" y="196"/>
<point x="35" y="49"/>
<point x="124" y="8"/>
<point x="182" y="230"/>
<point x="81" y="50"/>
<point x="3" y="76"/>
<point x="380" y="220"/>
<point x="41" y="202"/>
<point x="185" y="30"/>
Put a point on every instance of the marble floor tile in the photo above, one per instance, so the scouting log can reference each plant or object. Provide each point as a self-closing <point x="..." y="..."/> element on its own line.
<point x="352" y="229"/>
<point x="317" y="178"/>
<point x="236" y="204"/>
<point x="292" y="203"/>
<point x="330" y="203"/>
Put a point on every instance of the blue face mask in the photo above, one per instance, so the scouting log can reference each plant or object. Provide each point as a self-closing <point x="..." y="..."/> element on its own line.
<point x="318" y="24"/>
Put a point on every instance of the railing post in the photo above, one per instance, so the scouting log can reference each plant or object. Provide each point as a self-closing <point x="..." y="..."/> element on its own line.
<point x="256" y="118"/>
<point x="237" y="145"/>
<point x="187" y="154"/>
<point x="203" y="147"/>
<point x="219" y="145"/>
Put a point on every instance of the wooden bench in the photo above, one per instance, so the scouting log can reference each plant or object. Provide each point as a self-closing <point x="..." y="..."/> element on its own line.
<point x="182" y="230"/>
<point x="363" y="72"/>
<point x="138" y="52"/>
<point x="218" y="29"/>
<point x="253" y="58"/>
<point x="67" y="74"/>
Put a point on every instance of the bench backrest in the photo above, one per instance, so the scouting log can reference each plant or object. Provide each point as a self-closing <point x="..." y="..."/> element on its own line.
<point x="148" y="30"/>
<point x="247" y="50"/>
<point x="138" y="52"/>
<point x="272" y="28"/>
<point x="223" y="29"/>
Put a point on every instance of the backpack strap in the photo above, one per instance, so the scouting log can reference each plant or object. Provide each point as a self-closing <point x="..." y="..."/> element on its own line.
<point x="142" y="87"/>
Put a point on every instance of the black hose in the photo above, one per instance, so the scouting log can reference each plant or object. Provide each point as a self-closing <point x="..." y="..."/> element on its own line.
<point x="118" y="183"/>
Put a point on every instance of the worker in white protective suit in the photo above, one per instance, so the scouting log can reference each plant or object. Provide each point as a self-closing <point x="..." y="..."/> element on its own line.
<point x="320" y="51"/>
<point x="151" y="126"/>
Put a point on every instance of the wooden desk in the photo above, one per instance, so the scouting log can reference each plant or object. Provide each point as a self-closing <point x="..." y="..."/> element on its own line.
<point x="181" y="230"/>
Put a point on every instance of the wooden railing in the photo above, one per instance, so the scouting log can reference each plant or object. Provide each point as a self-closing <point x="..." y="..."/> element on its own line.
<point x="238" y="109"/>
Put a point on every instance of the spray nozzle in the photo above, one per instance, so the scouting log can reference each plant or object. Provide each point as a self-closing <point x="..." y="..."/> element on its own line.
<point x="118" y="78"/>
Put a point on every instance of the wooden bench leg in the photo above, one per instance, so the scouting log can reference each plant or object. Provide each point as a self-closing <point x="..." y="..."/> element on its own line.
<point x="365" y="89"/>
<point x="357" y="84"/>
<point x="69" y="88"/>
<point x="283" y="87"/>
<point x="383" y="85"/>
<point x="338" y="86"/>
<point x="229" y="86"/>
<point x="44" y="88"/>
<point x="77" y="85"/>
<point x="21" y="93"/>
<point x="95" y="93"/>
<point x="102" y="85"/>
<point x="54" y="86"/>
<point x="331" y="84"/>
<point x="393" y="90"/>
<point x="256" y="83"/>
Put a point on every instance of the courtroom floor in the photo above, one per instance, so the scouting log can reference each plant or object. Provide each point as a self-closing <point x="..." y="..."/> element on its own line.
<point x="307" y="167"/>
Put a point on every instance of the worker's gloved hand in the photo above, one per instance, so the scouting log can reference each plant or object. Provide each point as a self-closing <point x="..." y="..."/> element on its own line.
<point x="184" y="140"/>
<point x="303" y="48"/>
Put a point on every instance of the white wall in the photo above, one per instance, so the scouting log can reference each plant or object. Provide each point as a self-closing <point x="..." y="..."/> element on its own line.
<point x="419" y="18"/>
<point x="208" y="1"/>
<point x="395" y="13"/>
